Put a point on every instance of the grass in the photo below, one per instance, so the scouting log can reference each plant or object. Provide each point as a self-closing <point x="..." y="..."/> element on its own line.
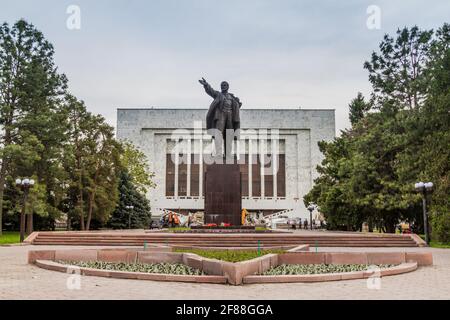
<point x="10" y="237"/>
<point x="165" y="268"/>
<point x="179" y="229"/>
<point x="230" y="255"/>
<point x="292" y="269"/>
<point x="437" y="244"/>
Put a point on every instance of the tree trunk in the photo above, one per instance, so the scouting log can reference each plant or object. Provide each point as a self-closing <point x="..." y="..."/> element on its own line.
<point x="2" y="189"/>
<point x="80" y="199"/>
<point x="80" y="203"/>
<point x="370" y="225"/>
<point x="92" y="198"/>
<point x="91" y="205"/>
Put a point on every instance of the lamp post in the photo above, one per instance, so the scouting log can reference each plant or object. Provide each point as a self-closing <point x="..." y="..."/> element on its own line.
<point x="424" y="188"/>
<point x="311" y="208"/>
<point x="24" y="185"/>
<point x="130" y="208"/>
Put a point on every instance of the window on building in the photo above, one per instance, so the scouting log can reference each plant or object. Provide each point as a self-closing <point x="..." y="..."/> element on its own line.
<point x="256" y="176"/>
<point x="281" y="176"/>
<point x="170" y="176"/>
<point x="195" y="174"/>
<point x="268" y="175"/>
<point x="182" y="179"/>
<point x="244" y="174"/>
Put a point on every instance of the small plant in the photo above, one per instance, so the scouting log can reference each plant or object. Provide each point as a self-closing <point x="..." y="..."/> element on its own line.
<point x="165" y="268"/>
<point x="293" y="269"/>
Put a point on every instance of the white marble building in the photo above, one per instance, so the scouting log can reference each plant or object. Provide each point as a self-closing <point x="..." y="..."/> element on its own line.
<point x="281" y="142"/>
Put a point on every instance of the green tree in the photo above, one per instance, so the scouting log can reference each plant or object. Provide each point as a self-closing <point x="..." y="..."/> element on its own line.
<point x="30" y="88"/>
<point x="136" y="164"/>
<point x="396" y="72"/>
<point x="92" y="161"/>
<point x="368" y="173"/>
<point x="358" y="109"/>
<point x="123" y="217"/>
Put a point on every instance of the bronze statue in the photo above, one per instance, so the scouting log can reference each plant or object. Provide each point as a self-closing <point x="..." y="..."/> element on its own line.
<point x="222" y="120"/>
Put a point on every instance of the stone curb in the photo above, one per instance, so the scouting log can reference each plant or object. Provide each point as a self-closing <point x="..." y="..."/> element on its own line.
<point x="233" y="273"/>
<point x="403" y="268"/>
<point x="54" y="266"/>
<point x="31" y="237"/>
<point x="420" y="242"/>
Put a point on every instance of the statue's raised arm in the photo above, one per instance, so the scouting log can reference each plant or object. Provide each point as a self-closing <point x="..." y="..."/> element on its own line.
<point x="209" y="90"/>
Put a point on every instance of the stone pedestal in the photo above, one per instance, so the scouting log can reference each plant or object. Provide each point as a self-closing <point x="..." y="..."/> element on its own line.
<point x="223" y="201"/>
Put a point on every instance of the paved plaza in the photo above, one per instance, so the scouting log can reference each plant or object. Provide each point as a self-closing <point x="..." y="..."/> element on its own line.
<point x="19" y="280"/>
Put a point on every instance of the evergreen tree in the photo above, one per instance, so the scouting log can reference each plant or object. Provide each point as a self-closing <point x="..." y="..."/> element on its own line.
<point x="369" y="172"/>
<point x="31" y="119"/>
<point x="358" y="109"/>
<point x="123" y="217"/>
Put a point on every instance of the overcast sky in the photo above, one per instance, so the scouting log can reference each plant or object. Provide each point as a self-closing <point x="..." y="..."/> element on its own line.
<point x="278" y="54"/>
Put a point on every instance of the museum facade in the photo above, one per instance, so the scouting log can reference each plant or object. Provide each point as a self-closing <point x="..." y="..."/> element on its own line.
<point x="277" y="150"/>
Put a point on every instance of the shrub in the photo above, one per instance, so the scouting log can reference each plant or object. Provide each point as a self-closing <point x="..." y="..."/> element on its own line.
<point x="441" y="227"/>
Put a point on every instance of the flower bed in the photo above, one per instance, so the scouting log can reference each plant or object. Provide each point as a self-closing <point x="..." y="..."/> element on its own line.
<point x="162" y="268"/>
<point x="293" y="269"/>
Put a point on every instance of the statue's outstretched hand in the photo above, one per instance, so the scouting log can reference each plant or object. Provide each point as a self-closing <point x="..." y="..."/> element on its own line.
<point x="203" y="81"/>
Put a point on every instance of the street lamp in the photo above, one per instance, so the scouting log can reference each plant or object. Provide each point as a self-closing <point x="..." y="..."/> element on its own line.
<point x="24" y="185"/>
<point x="424" y="188"/>
<point x="311" y="208"/>
<point x="130" y="208"/>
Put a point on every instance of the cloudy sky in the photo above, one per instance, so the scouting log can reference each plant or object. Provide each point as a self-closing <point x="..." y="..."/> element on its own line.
<point x="278" y="54"/>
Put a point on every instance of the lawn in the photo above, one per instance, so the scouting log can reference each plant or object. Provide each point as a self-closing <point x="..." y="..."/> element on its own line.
<point x="437" y="244"/>
<point x="9" y="237"/>
<point x="230" y="255"/>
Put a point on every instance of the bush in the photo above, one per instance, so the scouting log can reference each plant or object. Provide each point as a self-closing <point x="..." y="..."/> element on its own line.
<point x="441" y="227"/>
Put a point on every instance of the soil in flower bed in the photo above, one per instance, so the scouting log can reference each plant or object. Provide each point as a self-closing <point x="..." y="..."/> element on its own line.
<point x="164" y="268"/>
<point x="230" y="255"/>
<point x="293" y="269"/>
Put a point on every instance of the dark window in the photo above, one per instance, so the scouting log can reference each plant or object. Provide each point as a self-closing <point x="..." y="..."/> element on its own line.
<point x="268" y="175"/>
<point x="204" y="172"/>
<point x="195" y="174"/>
<point x="281" y="176"/>
<point x="244" y="174"/>
<point x="170" y="176"/>
<point x="256" y="176"/>
<point x="182" y="178"/>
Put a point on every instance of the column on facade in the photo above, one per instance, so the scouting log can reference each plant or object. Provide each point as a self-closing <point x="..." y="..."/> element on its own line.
<point x="177" y="160"/>
<point x="200" y="182"/>
<point x="262" y="152"/>
<point x="188" y="174"/>
<point x="250" y="161"/>
<point x="275" y="152"/>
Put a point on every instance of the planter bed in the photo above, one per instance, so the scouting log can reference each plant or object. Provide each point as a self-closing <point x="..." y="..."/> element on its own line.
<point x="295" y="269"/>
<point x="161" y="268"/>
